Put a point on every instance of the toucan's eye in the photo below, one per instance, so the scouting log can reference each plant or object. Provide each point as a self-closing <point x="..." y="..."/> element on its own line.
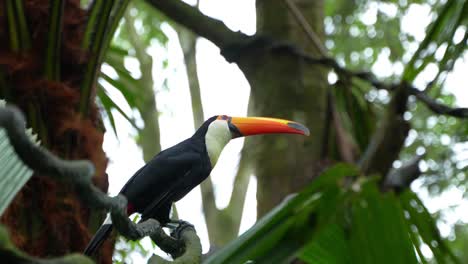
<point x="224" y="117"/>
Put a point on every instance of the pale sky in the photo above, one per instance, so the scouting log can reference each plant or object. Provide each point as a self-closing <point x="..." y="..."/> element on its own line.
<point x="220" y="80"/>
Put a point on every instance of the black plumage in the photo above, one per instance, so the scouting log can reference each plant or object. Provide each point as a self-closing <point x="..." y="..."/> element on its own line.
<point x="165" y="179"/>
<point x="171" y="174"/>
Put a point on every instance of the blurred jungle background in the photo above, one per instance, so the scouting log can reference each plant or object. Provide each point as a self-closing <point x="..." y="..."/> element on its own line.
<point x="380" y="84"/>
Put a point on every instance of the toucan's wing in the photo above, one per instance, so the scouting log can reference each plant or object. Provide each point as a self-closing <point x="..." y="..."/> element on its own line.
<point x="156" y="182"/>
<point x="160" y="206"/>
<point x="130" y="181"/>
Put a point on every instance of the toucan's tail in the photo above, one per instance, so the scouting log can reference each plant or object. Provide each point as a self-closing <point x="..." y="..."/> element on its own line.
<point x="99" y="238"/>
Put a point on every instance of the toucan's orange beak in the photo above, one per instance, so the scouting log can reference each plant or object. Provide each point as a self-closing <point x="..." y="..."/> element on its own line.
<point x="248" y="126"/>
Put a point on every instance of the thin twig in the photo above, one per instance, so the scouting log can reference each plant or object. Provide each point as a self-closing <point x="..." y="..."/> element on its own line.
<point x="433" y="105"/>
<point x="437" y="107"/>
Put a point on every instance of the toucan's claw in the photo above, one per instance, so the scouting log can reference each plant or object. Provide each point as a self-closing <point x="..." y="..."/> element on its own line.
<point x="181" y="226"/>
<point x="173" y="223"/>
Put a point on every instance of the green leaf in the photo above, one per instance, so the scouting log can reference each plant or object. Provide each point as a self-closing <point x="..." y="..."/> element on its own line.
<point x="109" y="115"/>
<point x="54" y="40"/>
<point x="109" y="104"/>
<point x="127" y="93"/>
<point x="114" y="19"/>
<point x="328" y="247"/>
<point x="114" y="49"/>
<point x="281" y="233"/>
<point x="426" y="227"/>
<point x="19" y="36"/>
<point x="12" y="26"/>
<point x="441" y="30"/>
<point x="378" y="230"/>
<point x="96" y="48"/>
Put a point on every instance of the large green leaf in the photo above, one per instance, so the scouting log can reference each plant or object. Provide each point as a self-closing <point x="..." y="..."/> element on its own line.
<point x="328" y="247"/>
<point x="377" y="231"/>
<point x="370" y="228"/>
<point x="282" y="232"/>
<point x="331" y="223"/>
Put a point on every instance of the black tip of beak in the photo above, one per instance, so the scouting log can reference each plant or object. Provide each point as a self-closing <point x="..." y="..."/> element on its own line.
<point x="299" y="127"/>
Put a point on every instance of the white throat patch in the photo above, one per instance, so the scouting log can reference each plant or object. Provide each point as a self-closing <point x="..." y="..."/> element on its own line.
<point x="217" y="136"/>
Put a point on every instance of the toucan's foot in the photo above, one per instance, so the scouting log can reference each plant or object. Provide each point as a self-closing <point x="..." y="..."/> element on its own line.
<point x="173" y="223"/>
<point x="179" y="227"/>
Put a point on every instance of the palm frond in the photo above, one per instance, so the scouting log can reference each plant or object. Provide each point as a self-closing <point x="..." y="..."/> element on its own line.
<point x="54" y="39"/>
<point x="20" y="38"/>
<point x="13" y="172"/>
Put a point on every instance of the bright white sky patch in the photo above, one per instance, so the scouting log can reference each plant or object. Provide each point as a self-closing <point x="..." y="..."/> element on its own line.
<point x="457" y="81"/>
<point x="415" y="20"/>
<point x="369" y="17"/>
<point x="389" y="9"/>
<point x="237" y="15"/>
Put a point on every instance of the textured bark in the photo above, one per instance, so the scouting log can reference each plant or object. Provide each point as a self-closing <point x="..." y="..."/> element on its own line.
<point x="284" y="86"/>
<point x="46" y="218"/>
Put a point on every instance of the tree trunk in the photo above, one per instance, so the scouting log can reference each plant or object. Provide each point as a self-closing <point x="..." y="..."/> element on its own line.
<point x="47" y="218"/>
<point x="282" y="85"/>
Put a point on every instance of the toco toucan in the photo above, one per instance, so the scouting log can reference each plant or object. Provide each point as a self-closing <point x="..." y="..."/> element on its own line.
<point x="172" y="173"/>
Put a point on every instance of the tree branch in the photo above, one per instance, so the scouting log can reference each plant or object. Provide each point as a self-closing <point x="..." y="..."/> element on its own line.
<point x="433" y="105"/>
<point x="80" y="173"/>
<point x="401" y="178"/>
<point x="388" y="139"/>
<point x="190" y="17"/>
<point x="224" y="38"/>
<point x="192" y="253"/>
<point x="437" y="107"/>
